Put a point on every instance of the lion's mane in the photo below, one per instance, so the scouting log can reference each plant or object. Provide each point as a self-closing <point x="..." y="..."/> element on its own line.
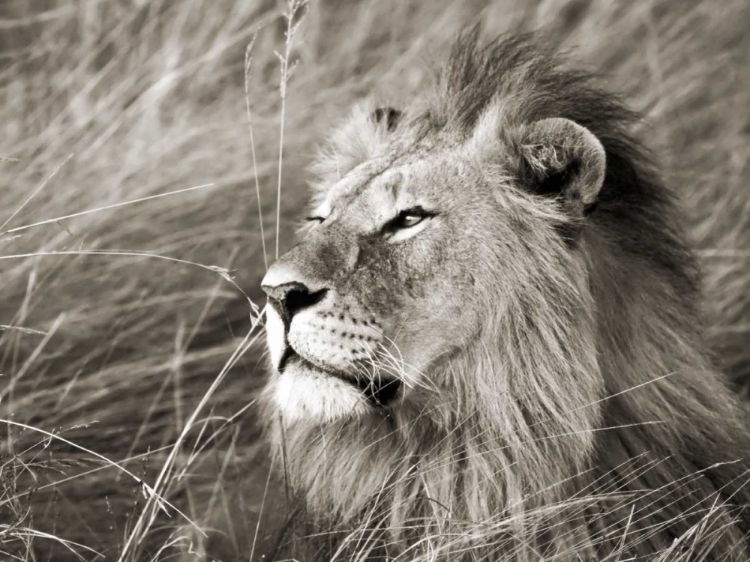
<point x="613" y="433"/>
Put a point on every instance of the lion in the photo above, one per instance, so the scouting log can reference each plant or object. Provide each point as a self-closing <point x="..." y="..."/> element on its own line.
<point x="488" y="343"/>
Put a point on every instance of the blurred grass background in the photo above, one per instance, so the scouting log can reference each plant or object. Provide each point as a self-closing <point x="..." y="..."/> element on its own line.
<point x="107" y="101"/>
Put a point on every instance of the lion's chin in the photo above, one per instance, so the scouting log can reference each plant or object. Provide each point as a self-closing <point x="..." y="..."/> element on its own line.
<point x="304" y="393"/>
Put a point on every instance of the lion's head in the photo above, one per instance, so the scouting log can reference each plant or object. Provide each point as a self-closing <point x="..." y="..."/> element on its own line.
<point x="485" y="277"/>
<point x="419" y="247"/>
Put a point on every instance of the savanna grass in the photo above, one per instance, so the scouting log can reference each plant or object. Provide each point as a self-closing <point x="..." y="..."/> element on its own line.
<point x="128" y="379"/>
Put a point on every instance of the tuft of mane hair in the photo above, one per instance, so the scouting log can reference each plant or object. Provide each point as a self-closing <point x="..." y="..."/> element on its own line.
<point x="655" y="466"/>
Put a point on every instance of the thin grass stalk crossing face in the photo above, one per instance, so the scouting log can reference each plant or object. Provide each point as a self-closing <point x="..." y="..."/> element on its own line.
<point x="248" y="64"/>
<point x="293" y="21"/>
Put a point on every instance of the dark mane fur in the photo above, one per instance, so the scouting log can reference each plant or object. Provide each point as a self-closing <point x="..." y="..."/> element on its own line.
<point x="669" y="461"/>
<point x="534" y="81"/>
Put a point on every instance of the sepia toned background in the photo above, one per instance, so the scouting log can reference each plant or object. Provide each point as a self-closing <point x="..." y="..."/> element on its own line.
<point x="126" y="370"/>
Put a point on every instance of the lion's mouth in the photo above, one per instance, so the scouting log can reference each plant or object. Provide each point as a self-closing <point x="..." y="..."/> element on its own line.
<point x="380" y="391"/>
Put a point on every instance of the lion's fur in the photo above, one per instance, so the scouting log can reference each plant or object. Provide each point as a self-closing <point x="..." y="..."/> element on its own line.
<point x="587" y="417"/>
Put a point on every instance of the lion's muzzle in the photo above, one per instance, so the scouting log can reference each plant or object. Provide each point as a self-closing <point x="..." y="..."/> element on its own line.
<point x="313" y="331"/>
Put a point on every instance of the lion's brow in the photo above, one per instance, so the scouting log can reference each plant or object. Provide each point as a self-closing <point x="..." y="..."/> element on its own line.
<point x="364" y="175"/>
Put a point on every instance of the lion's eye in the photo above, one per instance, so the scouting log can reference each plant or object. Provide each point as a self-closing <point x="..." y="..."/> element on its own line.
<point x="406" y="224"/>
<point x="408" y="219"/>
<point x="315" y="219"/>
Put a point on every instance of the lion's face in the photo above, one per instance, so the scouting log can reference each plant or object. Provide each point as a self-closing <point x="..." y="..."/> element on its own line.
<point x="410" y="257"/>
<point x="381" y="288"/>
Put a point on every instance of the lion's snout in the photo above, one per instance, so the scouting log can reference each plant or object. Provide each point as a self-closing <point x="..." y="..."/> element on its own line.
<point x="319" y="324"/>
<point x="289" y="293"/>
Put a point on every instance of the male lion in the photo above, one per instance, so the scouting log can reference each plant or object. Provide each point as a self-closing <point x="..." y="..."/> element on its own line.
<point x="488" y="344"/>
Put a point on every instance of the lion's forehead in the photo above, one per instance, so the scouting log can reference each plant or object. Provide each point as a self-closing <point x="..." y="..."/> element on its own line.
<point x="378" y="185"/>
<point x="362" y="176"/>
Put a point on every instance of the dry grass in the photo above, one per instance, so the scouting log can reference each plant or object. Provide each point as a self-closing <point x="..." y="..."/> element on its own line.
<point x="115" y="324"/>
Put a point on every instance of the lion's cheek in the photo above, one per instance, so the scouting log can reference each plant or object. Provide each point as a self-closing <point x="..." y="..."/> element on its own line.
<point x="432" y="328"/>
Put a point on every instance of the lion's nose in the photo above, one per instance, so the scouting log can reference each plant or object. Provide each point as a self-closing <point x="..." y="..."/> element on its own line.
<point x="287" y="294"/>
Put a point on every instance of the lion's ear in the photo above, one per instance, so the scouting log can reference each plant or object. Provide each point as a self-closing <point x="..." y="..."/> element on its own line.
<point x="386" y="116"/>
<point x="565" y="160"/>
